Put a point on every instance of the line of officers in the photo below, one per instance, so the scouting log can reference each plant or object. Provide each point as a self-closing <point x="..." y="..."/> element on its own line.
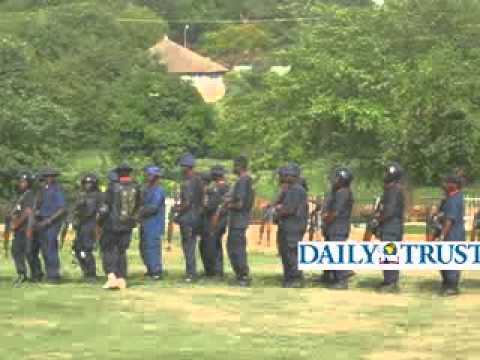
<point x="207" y="206"/>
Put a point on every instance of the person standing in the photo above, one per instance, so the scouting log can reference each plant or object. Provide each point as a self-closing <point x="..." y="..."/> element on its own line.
<point x="391" y="219"/>
<point x="19" y="222"/>
<point x="152" y="220"/>
<point x="122" y="202"/>
<point x="49" y="211"/>
<point x="293" y="216"/>
<point x="189" y="213"/>
<point x="452" y="212"/>
<point x="216" y="219"/>
<point x="85" y="213"/>
<point x="336" y="218"/>
<point x="240" y="207"/>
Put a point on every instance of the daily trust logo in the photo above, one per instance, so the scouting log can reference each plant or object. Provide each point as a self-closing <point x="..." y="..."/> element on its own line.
<point x="351" y="255"/>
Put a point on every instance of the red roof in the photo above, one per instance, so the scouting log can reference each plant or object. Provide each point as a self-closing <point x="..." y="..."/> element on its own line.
<point x="179" y="59"/>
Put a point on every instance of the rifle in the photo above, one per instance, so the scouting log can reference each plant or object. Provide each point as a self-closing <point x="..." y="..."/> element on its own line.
<point x="314" y="220"/>
<point x="172" y="218"/>
<point x="475" y="226"/>
<point x="373" y="224"/>
<point x="222" y="209"/>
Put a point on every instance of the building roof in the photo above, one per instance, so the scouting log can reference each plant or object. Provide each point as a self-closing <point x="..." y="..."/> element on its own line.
<point x="179" y="59"/>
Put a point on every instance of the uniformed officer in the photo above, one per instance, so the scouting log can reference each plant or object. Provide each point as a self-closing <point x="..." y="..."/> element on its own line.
<point x="217" y="221"/>
<point x="85" y="213"/>
<point x="453" y="227"/>
<point x="190" y="214"/>
<point x="336" y="217"/>
<point x="240" y="207"/>
<point x="19" y="221"/>
<point x="152" y="217"/>
<point x="49" y="209"/>
<point x="293" y="216"/>
<point x="122" y="202"/>
<point x="391" y="218"/>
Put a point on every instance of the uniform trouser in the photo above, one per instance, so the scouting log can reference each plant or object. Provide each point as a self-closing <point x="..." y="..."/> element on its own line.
<point x="86" y="259"/>
<point x="34" y="256"/>
<point x="336" y="275"/>
<point x="288" y="244"/>
<point x="48" y="241"/>
<point x="151" y="250"/>
<point x="450" y="278"/>
<point x="218" y="242"/>
<point x="189" y="244"/>
<point x="237" y="252"/>
<point x="114" y="252"/>
<point x="21" y="252"/>
<point x="83" y="247"/>
<point x="391" y="276"/>
<point x="207" y="248"/>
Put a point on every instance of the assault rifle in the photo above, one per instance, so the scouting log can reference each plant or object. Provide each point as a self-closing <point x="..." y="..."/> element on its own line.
<point x="373" y="223"/>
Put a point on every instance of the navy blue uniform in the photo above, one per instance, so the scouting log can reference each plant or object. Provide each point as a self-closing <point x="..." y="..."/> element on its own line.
<point x="238" y="221"/>
<point x="118" y="226"/>
<point x="21" y="249"/>
<point x="453" y="209"/>
<point x="292" y="225"/>
<point x="191" y="209"/>
<point x="214" y="235"/>
<point x="50" y="201"/>
<point x="340" y="203"/>
<point x="391" y="225"/>
<point x="85" y="225"/>
<point x="152" y="228"/>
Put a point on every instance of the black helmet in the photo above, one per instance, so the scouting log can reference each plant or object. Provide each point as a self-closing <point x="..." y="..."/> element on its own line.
<point x="217" y="171"/>
<point x="343" y="176"/>
<point x="90" y="178"/>
<point x="393" y="172"/>
<point x="27" y="176"/>
<point x="124" y="168"/>
<point x="293" y="169"/>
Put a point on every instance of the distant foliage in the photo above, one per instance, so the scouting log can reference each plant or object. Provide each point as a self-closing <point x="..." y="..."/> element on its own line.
<point x="367" y="86"/>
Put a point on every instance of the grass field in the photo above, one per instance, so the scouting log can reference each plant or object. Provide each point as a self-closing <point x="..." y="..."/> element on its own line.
<point x="212" y="320"/>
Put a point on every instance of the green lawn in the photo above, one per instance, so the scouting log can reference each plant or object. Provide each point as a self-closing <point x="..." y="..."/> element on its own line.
<point x="212" y="320"/>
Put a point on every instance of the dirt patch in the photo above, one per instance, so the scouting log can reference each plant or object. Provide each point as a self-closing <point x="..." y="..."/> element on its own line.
<point x="34" y="323"/>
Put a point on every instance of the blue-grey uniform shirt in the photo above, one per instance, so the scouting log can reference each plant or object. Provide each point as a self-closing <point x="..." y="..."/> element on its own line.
<point x="154" y="199"/>
<point x="294" y="214"/>
<point x="242" y="193"/>
<point x="340" y="202"/>
<point x="52" y="199"/>
<point x="392" y="213"/>
<point x="454" y="209"/>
